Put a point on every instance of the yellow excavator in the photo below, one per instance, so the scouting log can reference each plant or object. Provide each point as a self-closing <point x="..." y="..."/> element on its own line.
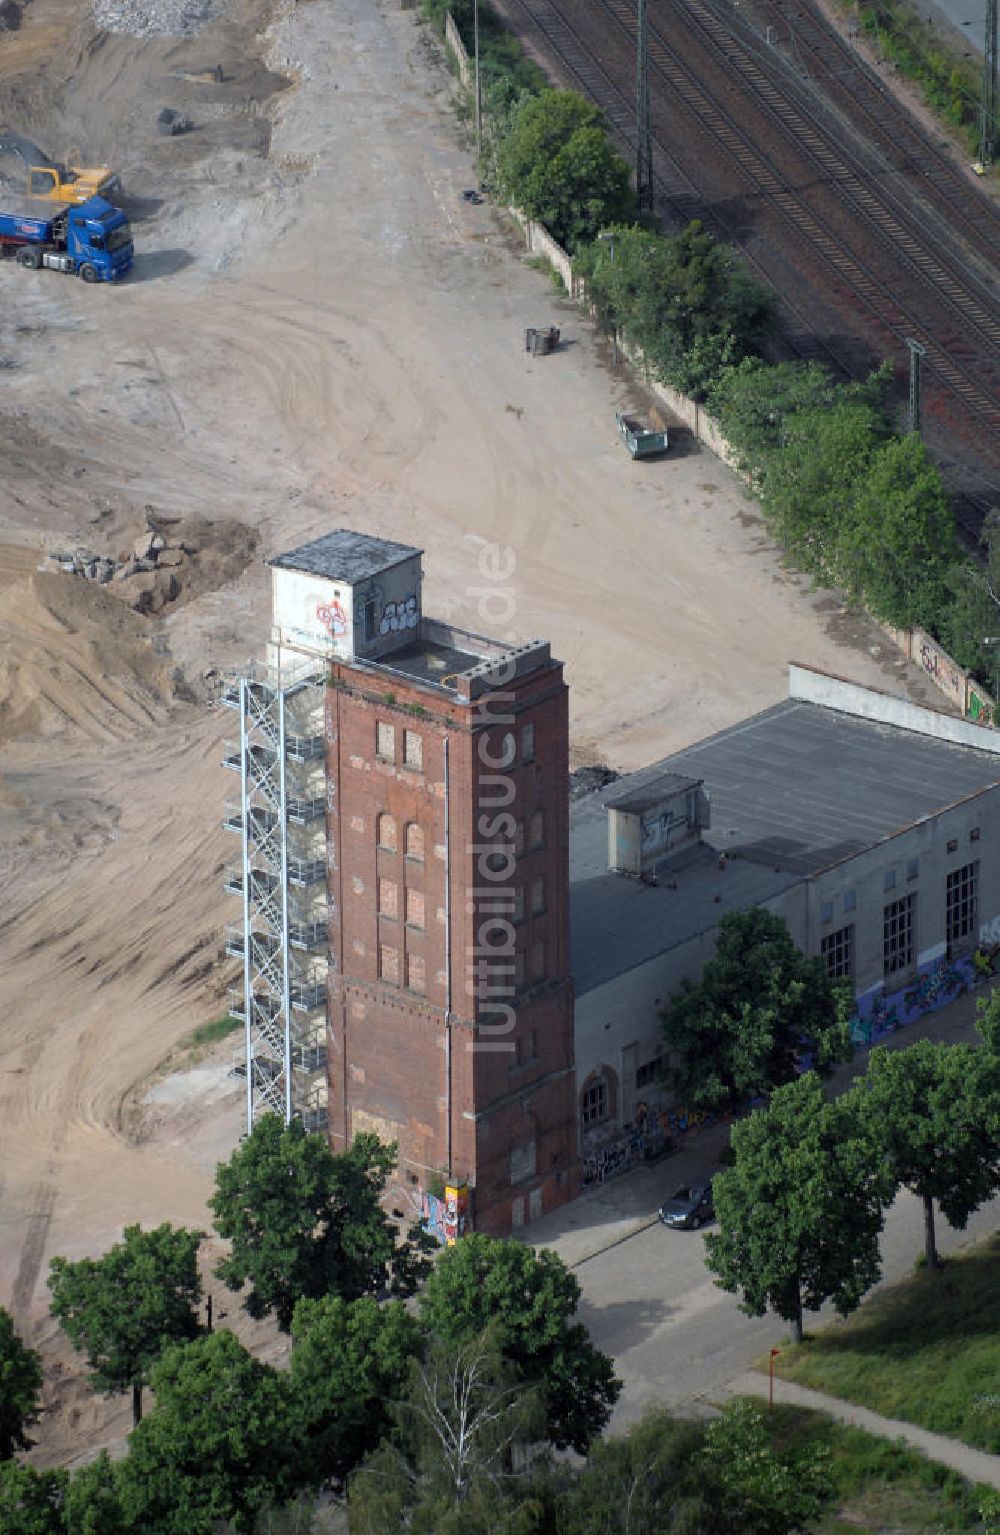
<point x="74" y="183"/>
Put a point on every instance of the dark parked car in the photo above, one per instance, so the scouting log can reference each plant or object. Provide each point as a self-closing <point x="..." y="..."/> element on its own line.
<point x="689" y="1208"/>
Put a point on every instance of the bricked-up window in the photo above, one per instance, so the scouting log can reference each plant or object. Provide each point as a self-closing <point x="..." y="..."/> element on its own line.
<point x="537" y="897"/>
<point x="413" y="750"/>
<point x="528" y="743"/>
<point x="961" y="902"/>
<point x="594" y="1103"/>
<point x="536" y="961"/>
<point x="523" y="1162"/>
<point x="414" y="842"/>
<point x="838" y="951"/>
<point x="385" y="742"/>
<point x="387" y="832"/>
<point x="416" y="972"/>
<point x="388" y="898"/>
<point x="414" y="908"/>
<point x="526" y="1047"/>
<point x="897" y="934"/>
<point x="388" y="964"/>
<point x="537" y="835"/>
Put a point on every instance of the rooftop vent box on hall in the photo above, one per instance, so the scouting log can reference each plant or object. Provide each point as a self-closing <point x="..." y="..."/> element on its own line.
<point x="346" y="595"/>
<point x="649" y="821"/>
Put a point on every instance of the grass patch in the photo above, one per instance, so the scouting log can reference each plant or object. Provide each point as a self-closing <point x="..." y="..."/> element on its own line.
<point x="926" y="1350"/>
<point x="878" y="1485"/>
<point x="208" y="1033"/>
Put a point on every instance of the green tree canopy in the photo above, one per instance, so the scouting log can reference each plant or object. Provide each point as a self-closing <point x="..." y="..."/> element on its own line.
<point x="760" y="1002"/>
<point x="32" y="1502"/>
<point x="93" y="1500"/>
<point x="645" y="1482"/>
<point x="218" y="1443"/>
<point x="349" y="1363"/>
<point x="557" y="165"/>
<point x="808" y="490"/>
<point x="528" y="1301"/>
<point x="801" y="1208"/>
<point x="971" y="610"/>
<point x="306" y="1223"/>
<point x="123" y="1309"/>
<point x="896" y="541"/>
<point x="462" y="1456"/>
<point x="759" y="1491"/>
<point x="20" y="1388"/>
<point x="756" y="401"/>
<point x="684" y="301"/>
<point x="934" y="1113"/>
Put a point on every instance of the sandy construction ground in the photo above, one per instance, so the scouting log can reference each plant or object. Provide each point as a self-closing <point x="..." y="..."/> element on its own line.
<point x="319" y="331"/>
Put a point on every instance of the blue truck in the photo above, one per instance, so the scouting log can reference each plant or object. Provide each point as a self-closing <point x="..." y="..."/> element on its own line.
<point x="92" y="239"/>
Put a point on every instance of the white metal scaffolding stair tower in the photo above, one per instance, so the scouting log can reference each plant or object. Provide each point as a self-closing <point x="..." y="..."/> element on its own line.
<point x="282" y="940"/>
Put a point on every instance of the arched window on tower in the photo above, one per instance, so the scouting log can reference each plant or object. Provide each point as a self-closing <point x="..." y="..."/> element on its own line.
<point x="415" y="842"/>
<point x="387" y="832"/>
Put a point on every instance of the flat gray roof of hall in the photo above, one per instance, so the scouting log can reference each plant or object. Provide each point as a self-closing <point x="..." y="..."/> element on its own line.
<point x="345" y="556"/>
<point x="792" y="790"/>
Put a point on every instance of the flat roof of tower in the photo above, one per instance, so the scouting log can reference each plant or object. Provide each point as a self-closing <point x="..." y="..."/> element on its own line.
<point x="642" y="792"/>
<point x="345" y="556"/>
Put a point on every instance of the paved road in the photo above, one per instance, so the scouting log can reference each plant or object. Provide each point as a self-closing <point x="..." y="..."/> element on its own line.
<point x="651" y="1303"/>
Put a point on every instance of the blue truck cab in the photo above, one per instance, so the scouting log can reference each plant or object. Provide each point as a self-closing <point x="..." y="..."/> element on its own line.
<point x="92" y="239"/>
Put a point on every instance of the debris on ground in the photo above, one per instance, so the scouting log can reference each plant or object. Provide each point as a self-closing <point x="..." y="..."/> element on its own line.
<point x="152" y="18"/>
<point x="170" y="560"/>
<point x="170" y="122"/>
<point x="586" y="780"/>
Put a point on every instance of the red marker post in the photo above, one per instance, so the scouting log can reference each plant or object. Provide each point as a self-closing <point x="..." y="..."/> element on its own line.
<point x="770" y="1377"/>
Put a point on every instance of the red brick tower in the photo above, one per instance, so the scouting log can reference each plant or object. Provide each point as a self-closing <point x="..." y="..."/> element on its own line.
<point x="450" y="1011"/>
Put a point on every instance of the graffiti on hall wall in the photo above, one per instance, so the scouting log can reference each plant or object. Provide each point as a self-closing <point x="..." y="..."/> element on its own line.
<point x="399" y="615"/>
<point x="446" y="1219"/>
<point x="980" y="710"/>
<point x="881" y="1013"/>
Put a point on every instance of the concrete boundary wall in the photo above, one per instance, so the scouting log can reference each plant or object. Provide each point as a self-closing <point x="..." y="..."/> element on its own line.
<point x="815" y="687"/>
<point x="541" y="243"/>
<point x="454" y="41"/>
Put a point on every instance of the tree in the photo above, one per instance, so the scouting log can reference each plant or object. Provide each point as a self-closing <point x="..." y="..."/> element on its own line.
<point x="759" y="1491"/>
<point x="756" y="401"/>
<point x="644" y="1482"/>
<point x="529" y="1300"/>
<point x="218" y="1443"/>
<point x="20" y="1387"/>
<point x="306" y="1223"/>
<point x="896" y="541"/>
<point x="463" y="1455"/>
<point x="124" y="1308"/>
<point x="684" y="301"/>
<point x="934" y="1113"/>
<point x="801" y="1208"/>
<point x="93" y="1501"/>
<point x="350" y="1361"/>
<point x="760" y="1003"/>
<point x="557" y="165"/>
<point x="31" y="1502"/>
<point x="972" y="607"/>
<point x="808" y="490"/>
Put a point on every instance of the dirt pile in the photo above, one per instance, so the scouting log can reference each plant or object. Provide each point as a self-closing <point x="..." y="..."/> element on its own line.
<point x="71" y="656"/>
<point x="171" y="561"/>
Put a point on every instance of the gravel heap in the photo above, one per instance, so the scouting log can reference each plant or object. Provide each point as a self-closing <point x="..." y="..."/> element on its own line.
<point x="152" y="18"/>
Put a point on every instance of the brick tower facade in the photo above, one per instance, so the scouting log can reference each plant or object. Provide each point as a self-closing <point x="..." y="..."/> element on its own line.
<point x="450" y="1004"/>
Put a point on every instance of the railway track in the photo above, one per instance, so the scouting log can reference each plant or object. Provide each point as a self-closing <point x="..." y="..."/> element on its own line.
<point x="944" y="299"/>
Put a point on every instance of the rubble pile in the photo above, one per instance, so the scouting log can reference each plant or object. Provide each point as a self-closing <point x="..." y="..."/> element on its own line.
<point x="170" y="560"/>
<point x="152" y="18"/>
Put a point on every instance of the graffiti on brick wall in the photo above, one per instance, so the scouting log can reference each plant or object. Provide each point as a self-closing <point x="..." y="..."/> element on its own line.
<point x="980" y="710"/>
<point x="881" y="1013"/>
<point x="939" y="666"/>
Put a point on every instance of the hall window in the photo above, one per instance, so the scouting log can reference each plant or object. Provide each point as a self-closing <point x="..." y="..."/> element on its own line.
<point x="413" y="751"/>
<point x="837" y="949"/>
<point x="961" y="902"/>
<point x="386" y="833"/>
<point x="897" y="935"/>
